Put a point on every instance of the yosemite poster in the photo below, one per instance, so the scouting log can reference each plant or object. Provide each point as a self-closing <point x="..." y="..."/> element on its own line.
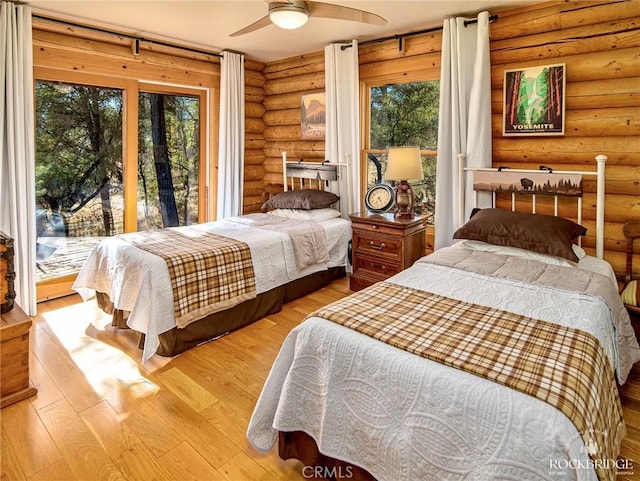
<point x="534" y="100"/>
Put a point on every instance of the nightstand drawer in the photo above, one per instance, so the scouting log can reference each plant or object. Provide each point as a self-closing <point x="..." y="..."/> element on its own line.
<point x="377" y="245"/>
<point x="377" y="265"/>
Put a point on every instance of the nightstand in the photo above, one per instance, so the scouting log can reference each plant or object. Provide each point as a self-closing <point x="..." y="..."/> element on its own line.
<point x="383" y="246"/>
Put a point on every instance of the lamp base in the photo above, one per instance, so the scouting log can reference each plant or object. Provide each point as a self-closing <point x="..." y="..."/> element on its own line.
<point x="404" y="201"/>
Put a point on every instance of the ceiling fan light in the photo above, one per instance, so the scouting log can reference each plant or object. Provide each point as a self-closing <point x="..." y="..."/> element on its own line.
<point x="289" y="17"/>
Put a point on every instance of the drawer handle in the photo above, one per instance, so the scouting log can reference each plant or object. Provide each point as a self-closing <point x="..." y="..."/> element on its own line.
<point x="376" y="246"/>
<point x="379" y="266"/>
<point x="374" y="226"/>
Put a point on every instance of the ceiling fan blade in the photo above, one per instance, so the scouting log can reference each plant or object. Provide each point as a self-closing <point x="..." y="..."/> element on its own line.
<point x="263" y="22"/>
<point x="328" y="10"/>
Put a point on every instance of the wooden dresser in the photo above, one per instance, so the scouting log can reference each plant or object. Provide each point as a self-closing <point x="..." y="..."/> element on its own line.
<point x="14" y="357"/>
<point x="383" y="246"/>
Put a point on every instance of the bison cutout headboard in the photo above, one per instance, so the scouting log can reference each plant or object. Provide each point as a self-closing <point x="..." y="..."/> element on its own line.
<point x="544" y="181"/>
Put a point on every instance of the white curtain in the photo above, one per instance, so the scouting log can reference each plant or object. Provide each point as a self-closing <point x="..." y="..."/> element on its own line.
<point x="231" y="136"/>
<point x="17" y="151"/>
<point x="343" y="119"/>
<point x="465" y="117"/>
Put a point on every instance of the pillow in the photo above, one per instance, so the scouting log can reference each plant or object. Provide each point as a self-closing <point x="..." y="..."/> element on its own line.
<point x="630" y="294"/>
<point x="546" y="234"/>
<point x="579" y="251"/>
<point x="301" y="199"/>
<point x="514" y="252"/>
<point x="315" y="215"/>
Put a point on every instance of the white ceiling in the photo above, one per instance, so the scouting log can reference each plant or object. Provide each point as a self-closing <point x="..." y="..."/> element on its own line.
<point x="207" y="24"/>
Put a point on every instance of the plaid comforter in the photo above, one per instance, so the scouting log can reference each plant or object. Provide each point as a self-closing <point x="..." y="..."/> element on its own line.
<point x="208" y="272"/>
<point x="564" y="367"/>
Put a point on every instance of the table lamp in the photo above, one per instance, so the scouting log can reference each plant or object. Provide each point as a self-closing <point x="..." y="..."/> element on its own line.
<point x="404" y="163"/>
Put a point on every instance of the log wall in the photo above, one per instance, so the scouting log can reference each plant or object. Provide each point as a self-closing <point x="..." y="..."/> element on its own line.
<point x="599" y="41"/>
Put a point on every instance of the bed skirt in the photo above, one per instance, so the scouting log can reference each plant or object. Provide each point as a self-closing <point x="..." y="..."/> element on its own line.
<point x="176" y="341"/>
<point x="299" y="445"/>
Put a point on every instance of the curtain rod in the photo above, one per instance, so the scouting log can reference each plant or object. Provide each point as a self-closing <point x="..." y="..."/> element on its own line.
<point x="400" y="37"/>
<point x="132" y="37"/>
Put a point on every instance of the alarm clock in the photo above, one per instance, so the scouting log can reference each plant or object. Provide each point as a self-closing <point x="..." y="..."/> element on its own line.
<point x="379" y="198"/>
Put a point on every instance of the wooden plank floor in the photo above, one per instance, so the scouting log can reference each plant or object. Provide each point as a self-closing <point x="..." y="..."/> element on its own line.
<point x="100" y="415"/>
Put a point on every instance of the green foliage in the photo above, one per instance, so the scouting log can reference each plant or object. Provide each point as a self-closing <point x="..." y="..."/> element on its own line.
<point x="405" y="114"/>
<point x="78" y="144"/>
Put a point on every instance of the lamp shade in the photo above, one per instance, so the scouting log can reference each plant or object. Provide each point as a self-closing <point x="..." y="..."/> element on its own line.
<point x="404" y="163"/>
<point x="289" y="16"/>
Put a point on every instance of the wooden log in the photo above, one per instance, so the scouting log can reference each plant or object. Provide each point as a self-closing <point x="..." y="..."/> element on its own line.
<point x="548" y="16"/>
<point x="254" y="109"/>
<point x="298" y="83"/>
<point x="70" y="35"/>
<point x="300" y="149"/>
<point x="254" y="141"/>
<point x="254" y="94"/>
<point x="254" y="126"/>
<point x="577" y="150"/>
<point x="254" y="78"/>
<point x="253" y="157"/>
<point x="301" y="65"/>
<point x="283" y="132"/>
<point x="253" y="172"/>
<point x="290" y="100"/>
<point x="255" y="65"/>
<point x="253" y="185"/>
<point x="599" y="37"/>
<point x="282" y="117"/>
<point x="584" y="67"/>
<point x="273" y="177"/>
<point x="130" y="68"/>
<point x="417" y="67"/>
<point x="100" y="51"/>
<point x="253" y="201"/>
<point x="593" y="122"/>
<point x="416" y="45"/>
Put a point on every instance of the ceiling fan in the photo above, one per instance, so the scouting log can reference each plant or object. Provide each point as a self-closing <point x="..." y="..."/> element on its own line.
<point x="291" y="14"/>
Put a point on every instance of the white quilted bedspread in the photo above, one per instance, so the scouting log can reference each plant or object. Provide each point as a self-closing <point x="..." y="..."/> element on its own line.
<point x="402" y="417"/>
<point x="138" y="281"/>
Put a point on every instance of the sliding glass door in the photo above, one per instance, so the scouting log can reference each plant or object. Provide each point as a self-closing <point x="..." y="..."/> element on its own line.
<point x="111" y="157"/>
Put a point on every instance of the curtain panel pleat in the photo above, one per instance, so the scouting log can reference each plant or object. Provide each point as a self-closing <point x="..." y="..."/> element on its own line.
<point x="231" y="136"/>
<point x="342" y="137"/>
<point x="17" y="147"/>
<point x="464" y="118"/>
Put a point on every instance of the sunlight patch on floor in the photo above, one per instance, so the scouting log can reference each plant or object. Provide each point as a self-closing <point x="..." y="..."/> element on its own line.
<point x="106" y="368"/>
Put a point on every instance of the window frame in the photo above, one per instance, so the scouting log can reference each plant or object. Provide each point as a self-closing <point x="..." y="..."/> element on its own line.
<point x="365" y="95"/>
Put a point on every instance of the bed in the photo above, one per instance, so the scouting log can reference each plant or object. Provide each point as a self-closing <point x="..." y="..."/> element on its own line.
<point x="179" y="287"/>
<point x="363" y="396"/>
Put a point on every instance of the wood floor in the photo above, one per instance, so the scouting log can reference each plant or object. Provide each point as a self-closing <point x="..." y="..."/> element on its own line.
<point x="99" y="415"/>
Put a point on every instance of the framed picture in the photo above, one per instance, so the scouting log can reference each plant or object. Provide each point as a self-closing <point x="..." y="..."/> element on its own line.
<point x="534" y="101"/>
<point x="313" y="116"/>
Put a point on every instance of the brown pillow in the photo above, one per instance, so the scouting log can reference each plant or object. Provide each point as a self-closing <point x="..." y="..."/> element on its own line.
<point x="301" y="199"/>
<point x="546" y="234"/>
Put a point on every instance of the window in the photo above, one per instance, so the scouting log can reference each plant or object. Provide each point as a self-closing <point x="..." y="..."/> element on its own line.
<point x="404" y="114"/>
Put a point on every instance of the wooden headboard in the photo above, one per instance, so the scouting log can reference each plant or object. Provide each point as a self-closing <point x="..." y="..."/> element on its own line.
<point x="538" y="182"/>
